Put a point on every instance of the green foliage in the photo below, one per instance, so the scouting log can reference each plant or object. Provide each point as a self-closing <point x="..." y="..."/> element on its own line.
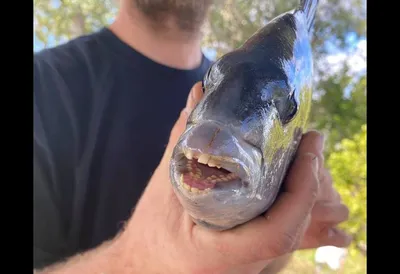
<point x="349" y="172"/>
<point x="234" y="21"/>
<point x="335" y="114"/>
<point x="66" y="19"/>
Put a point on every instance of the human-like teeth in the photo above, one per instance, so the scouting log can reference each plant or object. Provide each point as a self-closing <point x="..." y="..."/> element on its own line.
<point x="189" y="165"/>
<point x="203" y="159"/>
<point x="189" y="154"/>
<point x="212" y="163"/>
<point x="187" y="187"/>
<point x="194" y="190"/>
<point x="221" y="178"/>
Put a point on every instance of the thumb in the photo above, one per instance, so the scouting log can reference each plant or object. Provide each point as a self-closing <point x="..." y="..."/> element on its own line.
<point x="162" y="171"/>
<point x="195" y="95"/>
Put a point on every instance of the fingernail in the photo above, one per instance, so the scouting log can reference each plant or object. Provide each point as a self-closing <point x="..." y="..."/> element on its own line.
<point x="332" y="232"/>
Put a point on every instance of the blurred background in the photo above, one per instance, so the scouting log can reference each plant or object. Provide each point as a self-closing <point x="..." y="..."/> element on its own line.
<point x="338" y="110"/>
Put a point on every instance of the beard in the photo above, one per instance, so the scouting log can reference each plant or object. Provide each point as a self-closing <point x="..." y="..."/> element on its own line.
<point x="187" y="15"/>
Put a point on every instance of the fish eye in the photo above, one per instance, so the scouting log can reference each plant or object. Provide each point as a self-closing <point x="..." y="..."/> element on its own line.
<point x="287" y="108"/>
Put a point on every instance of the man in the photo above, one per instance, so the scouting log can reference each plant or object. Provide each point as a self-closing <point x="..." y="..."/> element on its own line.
<point x="104" y="107"/>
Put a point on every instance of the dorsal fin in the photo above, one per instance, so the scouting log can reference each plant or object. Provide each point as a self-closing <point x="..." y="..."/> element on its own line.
<point x="309" y="8"/>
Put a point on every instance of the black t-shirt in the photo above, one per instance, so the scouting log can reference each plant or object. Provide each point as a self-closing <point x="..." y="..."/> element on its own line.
<point x="102" y="118"/>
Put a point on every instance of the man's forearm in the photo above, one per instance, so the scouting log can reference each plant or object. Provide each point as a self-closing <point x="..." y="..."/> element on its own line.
<point x="110" y="257"/>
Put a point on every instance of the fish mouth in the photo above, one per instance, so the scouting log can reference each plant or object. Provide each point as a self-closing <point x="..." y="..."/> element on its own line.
<point x="209" y="157"/>
<point x="198" y="173"/>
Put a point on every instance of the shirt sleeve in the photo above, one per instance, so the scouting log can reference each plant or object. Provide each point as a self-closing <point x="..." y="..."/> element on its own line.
<point x="49" y="237"/>
<point x="51" y="169"/>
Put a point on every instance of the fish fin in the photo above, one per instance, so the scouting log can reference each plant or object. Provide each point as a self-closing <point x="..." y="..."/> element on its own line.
<point x="309" y="8"/>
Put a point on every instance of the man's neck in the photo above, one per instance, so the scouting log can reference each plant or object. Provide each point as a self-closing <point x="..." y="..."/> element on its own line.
<point x="167" y="46"/>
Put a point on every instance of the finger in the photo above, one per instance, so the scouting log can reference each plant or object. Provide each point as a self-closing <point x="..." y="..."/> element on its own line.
<point x="325" y="176"/>
<point x="162" y="170"/>
<point x="194" y="97"/>
<point x="327" y="236"/>
<point x="326" y="190"/>
<point x="335" y="237"/>
<point x="336" y="197"/>
<point x="329" y="212"/>
<point x="303" y="229"/>
<point x="313" y="142"/>
<point x="301" y="189"/>
<point x="275" y="233"/>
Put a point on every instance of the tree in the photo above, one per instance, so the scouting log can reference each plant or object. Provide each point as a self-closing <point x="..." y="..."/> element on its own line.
<point x="337" y="115"/>
<point x="349" y="172"/>
<point x="57" y="21"/>
<point x="231" y="22"/>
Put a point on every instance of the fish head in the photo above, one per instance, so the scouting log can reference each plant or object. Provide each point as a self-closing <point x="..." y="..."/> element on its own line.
<point x="227" y="165"/>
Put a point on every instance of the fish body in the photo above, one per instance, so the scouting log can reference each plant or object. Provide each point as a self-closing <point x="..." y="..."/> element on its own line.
<point x="229" y="164"/>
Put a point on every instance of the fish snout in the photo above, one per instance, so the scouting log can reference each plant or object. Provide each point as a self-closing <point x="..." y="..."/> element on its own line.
<point x="212" y="138"/>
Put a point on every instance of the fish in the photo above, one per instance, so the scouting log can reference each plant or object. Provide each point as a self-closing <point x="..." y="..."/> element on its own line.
<point x="229" y="164"/>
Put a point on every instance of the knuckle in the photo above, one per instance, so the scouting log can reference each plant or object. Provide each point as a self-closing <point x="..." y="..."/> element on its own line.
<point x="330" y="212"/>
<point x="325" y="176"/>
<point x="314" y="191"/>
<point x="324" y="210"/>
<point x="337" y="196"/>
<point x="346" y="212"/>
<point x="284" y="243"/>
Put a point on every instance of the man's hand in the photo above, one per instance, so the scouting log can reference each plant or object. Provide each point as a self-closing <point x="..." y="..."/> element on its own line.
<point x="161" y="237"/>
<point x="328" y="211"/>
<point x="176" y="244"/>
